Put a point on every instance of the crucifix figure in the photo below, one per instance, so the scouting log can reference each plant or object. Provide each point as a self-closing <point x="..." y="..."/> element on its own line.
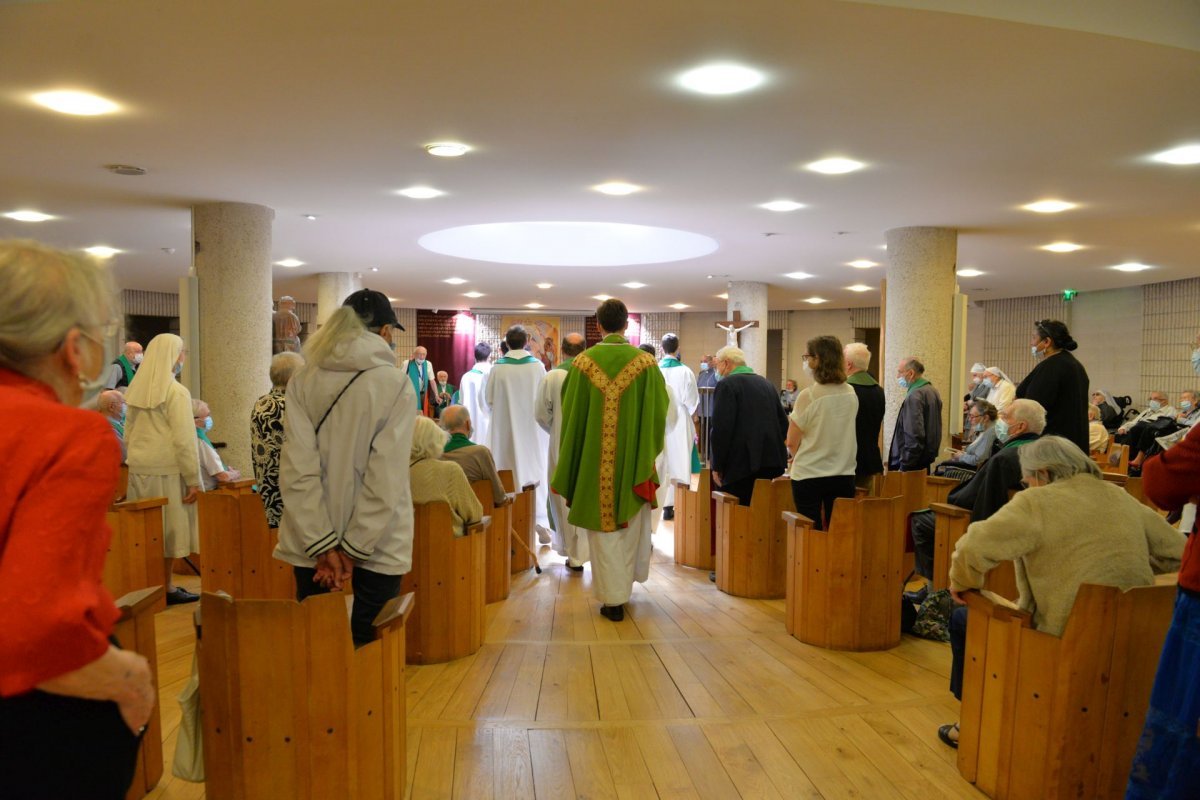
<point x="733" y="327"/>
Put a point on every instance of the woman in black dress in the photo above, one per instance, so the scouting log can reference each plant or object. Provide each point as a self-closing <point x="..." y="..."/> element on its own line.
<point x="1058" y="382"/>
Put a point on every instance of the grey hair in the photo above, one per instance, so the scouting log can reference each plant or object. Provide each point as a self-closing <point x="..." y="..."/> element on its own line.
<point x="1059" y="458"/>
<point x="44" y="293"/>
<point x="858" y="354"/>
<point x="199" y="405"/>
<point x="283" y="366"/>
<point x="1030" y="412"/>
<point x="428" y="440"/>
<point x="732" y="354"/>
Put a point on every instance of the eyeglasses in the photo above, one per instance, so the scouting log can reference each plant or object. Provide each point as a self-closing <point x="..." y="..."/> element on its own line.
<point x="808" y="355"/>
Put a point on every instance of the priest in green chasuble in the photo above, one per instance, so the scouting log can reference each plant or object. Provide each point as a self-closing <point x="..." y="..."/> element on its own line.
<point x="614" y="409"/>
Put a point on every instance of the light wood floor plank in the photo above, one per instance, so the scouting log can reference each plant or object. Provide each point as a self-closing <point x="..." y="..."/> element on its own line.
<point x="511" y="762"/>
<point x="631" y="778"/>
<point x="551" y="769"/>
<point x="739" y="762"/>
<point x="473" y="762"/>
<point x="666" y="768"/>
<point x="589" y="765"/>
<point x="433" y="775"/>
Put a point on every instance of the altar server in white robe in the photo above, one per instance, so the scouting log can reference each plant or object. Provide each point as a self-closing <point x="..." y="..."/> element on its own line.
<point x="567" y="540"/>
<point x="470" y="393"/>
<point x="681" y="434"/>
<point x="660" y="463"/>
<point x="516" y="440"/>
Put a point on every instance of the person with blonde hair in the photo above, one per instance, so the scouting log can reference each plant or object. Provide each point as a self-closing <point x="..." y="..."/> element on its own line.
<point x="436" y="481"/>
<point x="72" y="703"/>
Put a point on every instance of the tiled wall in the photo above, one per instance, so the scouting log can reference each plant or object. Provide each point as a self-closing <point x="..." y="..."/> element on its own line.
<point x="1170" y="322"/>
<point x="1008" y="327"/>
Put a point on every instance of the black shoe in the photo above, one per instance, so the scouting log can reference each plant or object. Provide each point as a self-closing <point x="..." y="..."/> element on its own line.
<point x="179" y="595"/>
<point x="712" y="576"/>
<point x="668" y="512"/>
<point x="944" y="734"/>
<point x="574" y="568"/>
<point x="615" y="613"/>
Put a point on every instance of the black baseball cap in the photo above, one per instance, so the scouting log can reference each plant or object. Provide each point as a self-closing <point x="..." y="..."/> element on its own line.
<point x="374" y="308"/>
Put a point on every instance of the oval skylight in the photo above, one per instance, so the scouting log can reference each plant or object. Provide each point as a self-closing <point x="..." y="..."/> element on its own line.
<point x="568" y="244"/>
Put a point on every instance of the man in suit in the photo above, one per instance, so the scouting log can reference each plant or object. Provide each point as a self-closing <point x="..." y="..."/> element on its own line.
<point x="748" y="427"/>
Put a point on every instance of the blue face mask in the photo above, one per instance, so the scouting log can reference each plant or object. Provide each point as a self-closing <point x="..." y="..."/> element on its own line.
<point x="178" y="368"/>
<point x="704" y="366"/>
<point x="987" y="382"/>
<point x="1185" y="404"/>
<point x="1155" y="405"/>
<point x="902" y="382"/>
<point x="1002" y="430"/>
<point x="208" y="423"/>
<point x="1196" y="360"/>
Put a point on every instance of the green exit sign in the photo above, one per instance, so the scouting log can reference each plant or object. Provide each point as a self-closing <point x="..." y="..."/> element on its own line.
<point x="1069" y="295"/>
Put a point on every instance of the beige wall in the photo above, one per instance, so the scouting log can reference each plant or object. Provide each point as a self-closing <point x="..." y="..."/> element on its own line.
<point x="805" y="325"/>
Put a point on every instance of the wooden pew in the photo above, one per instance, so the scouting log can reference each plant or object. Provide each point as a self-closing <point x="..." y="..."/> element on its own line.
<point x="498" y="556"/>
<point x="122" y="485"/>
<point x="234" y="488"/>
<point x="1104" y="459"/>
<point x="752" y="540"/>
<point x="290" y="709"/>
<point x="950" y="523"/>
<point x="135" y="552"/>
<point x="843" y="584"/>
<point x="937" y="490"/>
<point x="1049" y="717"/>
<point x="524" y="520"/>
<point x="238" y="548"/>
<point x="447" y="579"/>
<point x="694" y="523"/>
<point x="135" y="632"/>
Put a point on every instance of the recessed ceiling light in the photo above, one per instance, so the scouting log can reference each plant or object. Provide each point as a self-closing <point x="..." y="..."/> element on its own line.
<point x="860" y="287"/>
<point x="1183" y="156"/>
<point x="634" y="285"/>
<point x="1132" y="266"/>
<point x="617" y="188"/>
<point x="455" y="281"/>
<point x="1049" y="206"/>
<point x="798" y="276"/>
<point x="722" y="78"/>
<point x="968" y="273"/>
<point x="723" y="296"/>
<point x="101" y="251"/>
<point x="310" y="217"/>
<point x="545" y="285"/>
<point x="374" y="269"/>
<point x="447" y="149"/>
<point x="534" y="305"/>
<point x="834" y="166"/>
<point x="781" y="205"/>
<point x="421" y="192"/>
<point x="601" y="297"/>
<point x="80" y="104"/>
<point x="1062" y="247"/>
<point x="862" y="263"/>
<point x="290" y="262"/>
<point x="816" y="300"/>
<point x="473" y="295"/>
<point x="28" y="216"/>
<point x="678" y="306"/>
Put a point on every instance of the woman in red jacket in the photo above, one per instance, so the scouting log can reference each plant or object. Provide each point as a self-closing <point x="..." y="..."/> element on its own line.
<point x="72" y="705"/>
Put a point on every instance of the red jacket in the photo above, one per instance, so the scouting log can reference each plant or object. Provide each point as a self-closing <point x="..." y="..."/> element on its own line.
<point x="1171" y="479"/>
<point x="60" y="471"/>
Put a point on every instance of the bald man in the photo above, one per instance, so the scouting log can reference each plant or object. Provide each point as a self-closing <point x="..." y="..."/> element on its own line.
<point x="121" y="371"/>
<point x="565" y="538"/>
<point x="475" y="459"/>
<point x="111" y="404"/>
<point x="420" y="373"/>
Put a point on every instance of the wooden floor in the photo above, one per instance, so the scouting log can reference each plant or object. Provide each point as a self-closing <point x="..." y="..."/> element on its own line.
<point x="695" y="694"/>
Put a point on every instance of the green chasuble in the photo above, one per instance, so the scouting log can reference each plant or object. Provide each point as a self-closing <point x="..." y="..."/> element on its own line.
<point x="614" y="420"/>
<point x="457" y="440"/>
<point x="127" y="368"/>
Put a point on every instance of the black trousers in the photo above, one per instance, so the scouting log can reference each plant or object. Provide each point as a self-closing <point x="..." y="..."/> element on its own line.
<point x="814" y="497"/>
<point x="742" y="489"/>
<point x="372" y="590"/>
<point x="62" y="748"/>
<point x="958" y="648"/>
<point x="922" y="524"/>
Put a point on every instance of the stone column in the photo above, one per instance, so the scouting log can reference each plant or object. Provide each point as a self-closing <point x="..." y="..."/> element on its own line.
<point x="919" y="316"/>
<point x="233" y="268"/>
<point x="332" y="289"/>
<point x="750" y="298"/>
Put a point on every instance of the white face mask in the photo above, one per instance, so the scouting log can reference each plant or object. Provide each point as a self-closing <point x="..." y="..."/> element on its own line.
<point x="137" y="359"/>
<point x="808" y="370"/>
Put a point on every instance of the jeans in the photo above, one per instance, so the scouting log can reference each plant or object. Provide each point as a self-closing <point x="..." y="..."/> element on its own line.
<point x="372" y="590"/>
<point x="814" y="497"/>
<point x="958" y="649"/>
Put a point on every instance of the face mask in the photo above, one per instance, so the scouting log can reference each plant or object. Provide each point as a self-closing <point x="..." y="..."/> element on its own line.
<point x="178" y="368"/>
<point x="1035" y="352"/>
<point x="208" y="423"/>
<point x="975" y="379"/>
<point x="137" y="359"/>
<point x="704" y="365"/>
<point x="419" y="359"/>
<point x="978" y="426"/>
<point x="902" y="382"/>
<point x="92" y="386"/>
<point x="1155" y="405"/>
<point x="1196" y="360"/>
<point x="1185" y="404"/>
<point x="987" y="383"/>
<point x="808" y="370"/>
<point x="1002" y="430"/>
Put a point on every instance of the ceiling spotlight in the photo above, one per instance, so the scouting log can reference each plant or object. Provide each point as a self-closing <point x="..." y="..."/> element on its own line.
<point x="310" y="217"/>
<point x="545" y="285"/>
<point x="859" y="287"/>
<point x="1183" y="156"/>
<point x="455" y="281"/>
<point x="28" y="216"/>
<point x="1132" y="266"/>
<point x="1062" y="247"/>
<point x="723" y="78"/>
<point x="781" y="205"/>
<point x="80" y="104"/>
<point x="816" y="301"/>
<point x="862" y="263"/>
<point x="421" y="192"/>
<point x="101" y="251"/>
<point x="601" y="297"/>
<point x="447" y="149"/>
<point x="1049" y="206"/>
<point x="290" y="262"/>
<point x="723" y="296"/>
<point x="534" y="305"/>
<point x="968" y="273"/>
<point x="797" y="276"/>
<point x="634" y="285"/>
<point x="617" y="188"/>
<point x="678" y="306"/>
<point x="473" y="295"/>
<point x="834" y="166"/>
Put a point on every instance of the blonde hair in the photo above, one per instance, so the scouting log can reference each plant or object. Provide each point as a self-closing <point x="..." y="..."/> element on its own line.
<point x="732" y="354"/>
<point x="428" y="440"/>
<point x="342" y="327"/>
<point x="283" y="366"/>
<point x="44" y="293"/>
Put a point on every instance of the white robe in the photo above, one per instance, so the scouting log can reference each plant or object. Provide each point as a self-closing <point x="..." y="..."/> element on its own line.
<point x="621" y="557"/>
<point x="567" y="540"/>
<point x="681" y="434"/>
<point x="470" y="396"/>
<point x="515" y="439"/>
<point x="666" y="489"/>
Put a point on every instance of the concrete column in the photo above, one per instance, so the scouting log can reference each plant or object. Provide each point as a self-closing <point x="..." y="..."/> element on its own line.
<point x="332" y="289"/>
<point x="233" y="268"/>
<point x="919" y="316"/>
<point x="750" y="298"/>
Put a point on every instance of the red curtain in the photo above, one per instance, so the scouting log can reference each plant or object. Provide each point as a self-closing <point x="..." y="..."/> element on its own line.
<point x="449" y="338"/>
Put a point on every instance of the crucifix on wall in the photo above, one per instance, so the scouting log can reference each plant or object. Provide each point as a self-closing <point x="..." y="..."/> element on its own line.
<point x="733" y="327"/>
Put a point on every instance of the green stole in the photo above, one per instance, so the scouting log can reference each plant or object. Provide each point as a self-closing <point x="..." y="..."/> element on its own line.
<point x="917" y="384"/>
<point x="418" y="379"/>
<point x="862" y="379"/>
<point x="669" y="361"/>
<point x="507" y="360"/>
<point x="457" y="441"/>
<point x="129" y="370"/>
<point x="741" y="370"/>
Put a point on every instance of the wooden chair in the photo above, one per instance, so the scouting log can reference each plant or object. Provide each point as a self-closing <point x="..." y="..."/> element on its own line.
<point x="752" y="540"/>
<point x="950" y="523"/>
<point x="135" y="632"/>
<point x="238" y="548"/>
<point x="1049" y="717"/>
<point x="1119" y="478"/>
<point x="844" y="584"/>
<point x="447" y="579"/>
<point x="694" y="523"/>
<point x="499" y="549"/>
<point x="524" y="520"/>
<point x="290" y="709"/>
<point x="1122" y="465"/>
<point x="135" y="552"/>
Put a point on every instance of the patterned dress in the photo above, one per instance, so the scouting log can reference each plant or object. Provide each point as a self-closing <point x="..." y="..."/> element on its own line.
<point x="266" y="441"/>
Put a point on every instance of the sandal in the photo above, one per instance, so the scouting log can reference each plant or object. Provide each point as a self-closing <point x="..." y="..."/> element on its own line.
<point x="944" y="734"/>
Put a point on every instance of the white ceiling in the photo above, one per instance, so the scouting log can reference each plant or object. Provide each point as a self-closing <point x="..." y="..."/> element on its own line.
<point x="319" y="107"/>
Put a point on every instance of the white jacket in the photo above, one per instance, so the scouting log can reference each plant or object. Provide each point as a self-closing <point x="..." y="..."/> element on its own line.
<point x="348" y="486"/>
<point x="162" y="440"/>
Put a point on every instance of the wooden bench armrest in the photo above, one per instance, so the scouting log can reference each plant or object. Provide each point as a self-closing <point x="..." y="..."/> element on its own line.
<point x="529" y="487"/>
<point x="724" y="497"/>
<point x="949" y="510"/>
<point x="481" y="526"/>
<point x="997" y="607"/>
<point x="130" y="605"/>
<point x="395" y="611"/>
<point x="678" y="484"/>
<point x="793" y="518"/>
<point x="245" y="483"/>
<point x="138" y="505"/>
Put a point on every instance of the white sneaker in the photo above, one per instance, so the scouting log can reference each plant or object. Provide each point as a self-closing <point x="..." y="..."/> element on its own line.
<point x="543" y="535"/>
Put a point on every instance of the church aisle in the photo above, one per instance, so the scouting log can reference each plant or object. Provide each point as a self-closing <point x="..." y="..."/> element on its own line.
<point x="695" y="694"/>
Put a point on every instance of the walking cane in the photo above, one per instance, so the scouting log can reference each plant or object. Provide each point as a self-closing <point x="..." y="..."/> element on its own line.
<point x="528" y="549"/>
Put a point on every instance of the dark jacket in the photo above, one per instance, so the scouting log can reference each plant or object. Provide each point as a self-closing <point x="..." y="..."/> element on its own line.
<point x="988" y="489"/>
<point x="1060" y="384"/>
<point x="871" y="405"/>
<point x="748" y="428"/>
<point x="918" y="433"/>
